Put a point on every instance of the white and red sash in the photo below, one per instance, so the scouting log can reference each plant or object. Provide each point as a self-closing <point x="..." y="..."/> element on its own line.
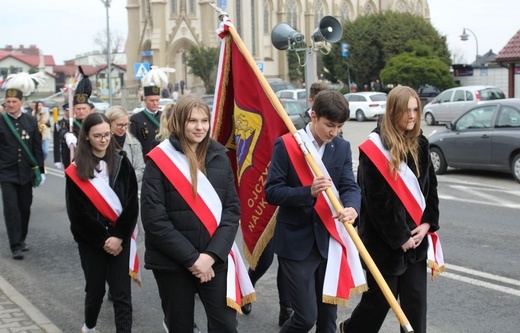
<point x="344" y="275"/>
<point x="407" y="188"/>
<point x="208" y="208"/>
<point x="108" y="204"/>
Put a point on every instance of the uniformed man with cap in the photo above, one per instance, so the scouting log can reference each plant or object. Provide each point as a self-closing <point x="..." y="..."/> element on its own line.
<point x="82" y="109"/>
<point x="144" y="125"/>
<point x="21" y="160"/>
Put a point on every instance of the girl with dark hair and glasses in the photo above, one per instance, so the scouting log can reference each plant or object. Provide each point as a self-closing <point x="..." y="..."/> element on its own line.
<point x="102" y="204"/>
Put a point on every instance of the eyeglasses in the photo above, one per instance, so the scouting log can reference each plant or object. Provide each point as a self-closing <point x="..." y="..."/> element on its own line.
<point x="121" y="126"/>
<point x="100" y="137"/>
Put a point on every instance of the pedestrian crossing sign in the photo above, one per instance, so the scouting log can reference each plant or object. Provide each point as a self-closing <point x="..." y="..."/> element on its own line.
<point x="141" y="69"/>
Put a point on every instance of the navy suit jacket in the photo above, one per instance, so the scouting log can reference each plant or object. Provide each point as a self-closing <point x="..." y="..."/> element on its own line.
<point x="298" y="225"/>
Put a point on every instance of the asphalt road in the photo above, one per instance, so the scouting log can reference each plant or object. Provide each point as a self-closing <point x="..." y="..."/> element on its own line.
<point x="480" y="234"/>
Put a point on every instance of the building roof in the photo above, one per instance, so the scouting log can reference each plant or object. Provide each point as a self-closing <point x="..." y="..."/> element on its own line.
<point x="510" y="52"/>
<point x="485" y="59"/>
<point x="70" y="70"/>
<point x="32" y="60"/>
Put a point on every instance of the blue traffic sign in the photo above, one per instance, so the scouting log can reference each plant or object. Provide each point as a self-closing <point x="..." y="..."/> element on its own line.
<point x="141" y="69"/>
<point x="344" y="49"/>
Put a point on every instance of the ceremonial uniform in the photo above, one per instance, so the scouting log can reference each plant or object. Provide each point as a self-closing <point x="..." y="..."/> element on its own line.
<point x="144" y="129"/>
<point x="17" y="168"/>
<point x="61" y="150"/>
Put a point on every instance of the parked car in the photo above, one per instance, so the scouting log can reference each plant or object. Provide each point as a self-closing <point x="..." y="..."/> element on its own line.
<point x="486" y="137"/>
<point x="210" y="100"/>
<point x="298" y="94"/>
<point x="162" y="103"/>
<point x="451" y="103"/>
<point x="366" y="104"/>
<point x="281" y="85"/>
<point x="99" y="104"/>
<point x="294" y="109"/>
<point x="428" y="91"/>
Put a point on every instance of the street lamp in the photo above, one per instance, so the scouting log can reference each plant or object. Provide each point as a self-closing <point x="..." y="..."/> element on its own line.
<point x="464" y="37"/>
<point x="109" y="69"/>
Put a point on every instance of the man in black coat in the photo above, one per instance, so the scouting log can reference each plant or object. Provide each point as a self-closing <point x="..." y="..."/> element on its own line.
<point x="82" y="108"/>
<point x="144" y="125"/>
<point x="17" y="167"/>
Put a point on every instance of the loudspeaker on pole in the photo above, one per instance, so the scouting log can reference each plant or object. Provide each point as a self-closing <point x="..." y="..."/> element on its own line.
<point x="283" y="36"/>
<point x="329" y="30"/>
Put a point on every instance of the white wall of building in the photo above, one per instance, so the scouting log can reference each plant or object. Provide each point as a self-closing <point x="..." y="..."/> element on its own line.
<point x="494" y="76"/>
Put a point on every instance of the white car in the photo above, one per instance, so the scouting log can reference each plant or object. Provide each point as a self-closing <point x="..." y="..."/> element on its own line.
<point x="366" y="105"/>
<point x="298" y="94"/>
<point x="99" y="104"/>
<point x="162" y="103"/>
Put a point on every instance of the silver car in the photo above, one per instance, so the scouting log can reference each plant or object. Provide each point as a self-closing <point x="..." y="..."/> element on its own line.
<point x="486" y="137"/>
<point x="451" y="103"/>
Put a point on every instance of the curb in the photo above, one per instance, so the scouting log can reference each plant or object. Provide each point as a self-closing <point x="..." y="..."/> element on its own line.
<point x="23" y="303"/>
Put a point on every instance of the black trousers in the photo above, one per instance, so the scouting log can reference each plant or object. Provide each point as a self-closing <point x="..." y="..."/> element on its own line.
<point x="177" y="290"/>
<point x="264" y="262"/>
<point x="370" y="313"/>
<point x="98" y="267"/>
<point x="17" y="201"/>
<point x="305" y="283"/>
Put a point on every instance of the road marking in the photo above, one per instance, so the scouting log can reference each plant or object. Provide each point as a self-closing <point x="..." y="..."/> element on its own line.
<point x="449" y="197"/>
<point x="492" y="199"/>
<point x="488" y="276"/>
<point x="479" y="283"/>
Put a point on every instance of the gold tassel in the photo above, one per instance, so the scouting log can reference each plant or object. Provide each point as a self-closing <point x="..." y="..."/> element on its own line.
<point x="224" y="85"/>
<point x="436" y="269"/>
<point x="134" y="277"/>
<point x="262" y="242"/>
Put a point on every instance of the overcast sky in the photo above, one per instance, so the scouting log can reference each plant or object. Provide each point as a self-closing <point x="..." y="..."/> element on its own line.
<point x="65" y="28"/>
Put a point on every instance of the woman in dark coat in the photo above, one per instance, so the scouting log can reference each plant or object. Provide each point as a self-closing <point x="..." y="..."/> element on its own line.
<point x="396" y="239"/>
<point x="102" y="231"/>
<point x="185" y="257"/>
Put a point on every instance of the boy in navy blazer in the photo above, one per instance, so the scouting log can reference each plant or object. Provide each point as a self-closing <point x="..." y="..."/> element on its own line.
<point x="301" y="239"/>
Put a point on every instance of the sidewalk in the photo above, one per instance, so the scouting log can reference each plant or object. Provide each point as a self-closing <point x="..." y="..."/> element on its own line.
<point x="18" y="315"/>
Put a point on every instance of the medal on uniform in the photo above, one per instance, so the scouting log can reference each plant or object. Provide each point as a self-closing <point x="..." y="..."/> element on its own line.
<point x="24" y="135"/>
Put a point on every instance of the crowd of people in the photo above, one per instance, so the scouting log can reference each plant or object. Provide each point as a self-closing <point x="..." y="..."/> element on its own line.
<point x="190" y="210"/>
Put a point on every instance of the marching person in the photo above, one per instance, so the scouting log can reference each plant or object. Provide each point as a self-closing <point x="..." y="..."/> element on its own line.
<point x="164" y="134"/>
<point x="303" y="232"/>
<point x="144" y="125"/>
<point x="44" y="125"/>
<point x="102" y="205"/>
<point x="82" y="109"/>
<point x="61" y="151"/>
<point x="119" y="123"/>
<point x="187" y="244"/>
<point x="305" y="117"/>
<point x="393" y="232"/>
<point x="21" y="160"/>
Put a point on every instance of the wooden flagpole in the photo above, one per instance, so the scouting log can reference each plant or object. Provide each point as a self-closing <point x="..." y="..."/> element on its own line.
<point x="396" y="308"/>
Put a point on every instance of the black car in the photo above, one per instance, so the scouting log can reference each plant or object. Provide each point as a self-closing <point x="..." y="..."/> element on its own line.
<point x="486" y="137"/>
<point x="294" y="110"/>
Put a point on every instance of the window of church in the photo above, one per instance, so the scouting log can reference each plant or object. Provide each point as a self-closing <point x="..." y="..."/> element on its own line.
<point x="174" y="6"/>
<point x="401" y="7"/>
<point x="345" y="12"/>
<point x="266" y="17"/>
<point x="318" y="12"/>
<point x="369" y="9"/>
<point x="292" y="13"/>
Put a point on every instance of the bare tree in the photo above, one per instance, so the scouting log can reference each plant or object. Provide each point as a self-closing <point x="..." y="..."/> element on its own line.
<point x="117" y="41"/>
<point x="457" y="57"/>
